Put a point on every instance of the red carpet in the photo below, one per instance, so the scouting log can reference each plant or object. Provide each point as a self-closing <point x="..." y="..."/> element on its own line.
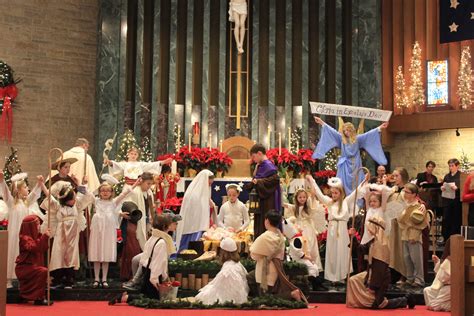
<point x="101" y="308"/>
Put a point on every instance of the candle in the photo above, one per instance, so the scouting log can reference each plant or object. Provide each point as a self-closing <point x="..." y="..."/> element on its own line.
<point x="279" y="143"/>
<point x="209" y="141"/>
<point x="289" y="138"/>
<point x="174" y="167"/>
<point x="189" y="136"/>
<point x="220" y="145"/>
<point x="269" y="132"/>
<point x="179" y="139"/>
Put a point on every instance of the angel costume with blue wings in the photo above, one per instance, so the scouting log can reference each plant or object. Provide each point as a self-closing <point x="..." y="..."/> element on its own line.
<point x="349" y="161"/>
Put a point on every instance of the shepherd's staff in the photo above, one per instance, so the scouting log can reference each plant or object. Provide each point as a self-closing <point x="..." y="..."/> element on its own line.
<point x="88" y="228"/>
<point x="109" y="143"/>
<point x="354" y="186"/>
<point x="49" y="218"/>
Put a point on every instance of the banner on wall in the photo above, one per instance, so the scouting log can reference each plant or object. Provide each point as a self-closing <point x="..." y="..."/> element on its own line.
<point x="350" y="111"/>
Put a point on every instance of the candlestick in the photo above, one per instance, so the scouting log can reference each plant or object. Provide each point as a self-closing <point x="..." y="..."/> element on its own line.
<point x="178" y="147"/>
<point x="279" y="144"/>
<point x="174" y="167"/>
<point x="190" y="137"/>
<point x="289" y="138"/>
<point x="209" y="141"/>
<point x="220" y="145"/>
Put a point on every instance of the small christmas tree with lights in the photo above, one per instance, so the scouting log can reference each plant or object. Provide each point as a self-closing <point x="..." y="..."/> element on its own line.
<point x="12" y="166"/>
<point x="401" y="98"/>
<point x="145" y="150"/>
<point x="417" y="92"/>
<point x="329" y="162"/>
<point x="296" y="140"/>
<point x="464" y="163"/>
<point x="127" y="141"/>
<point x="465" y="79"/>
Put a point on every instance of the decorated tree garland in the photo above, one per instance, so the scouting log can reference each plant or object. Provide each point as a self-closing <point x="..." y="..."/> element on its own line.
<point x="8" y="94"/>
<point x="12" y="166"/>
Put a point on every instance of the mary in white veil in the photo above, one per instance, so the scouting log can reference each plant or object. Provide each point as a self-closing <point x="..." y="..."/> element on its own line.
<point x="195" y="210"/>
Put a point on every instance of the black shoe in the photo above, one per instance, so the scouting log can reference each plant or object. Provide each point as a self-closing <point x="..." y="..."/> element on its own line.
<point x="43" y="302"/>
<point x="410" y="301"/>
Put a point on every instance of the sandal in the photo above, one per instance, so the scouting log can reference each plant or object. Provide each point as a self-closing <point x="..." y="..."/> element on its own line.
<point x="95" y="285"/>
<point x="105" y="285"/>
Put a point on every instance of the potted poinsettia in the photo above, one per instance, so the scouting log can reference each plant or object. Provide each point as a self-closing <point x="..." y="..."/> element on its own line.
<point x="217" y="161"/>
<point x="190" y="160"/>
<point x="309" y="164"/>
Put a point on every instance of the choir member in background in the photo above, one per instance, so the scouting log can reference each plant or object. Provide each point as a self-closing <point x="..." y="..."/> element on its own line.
<point x="20" y="203"/>
<point x="381" y="177"/>
<point x="350" y="144"/>
<point x="427" y="176"/>
<point x="30" y="270"/>
<point x="452" y="215"/>
<point x="267" y="184"/>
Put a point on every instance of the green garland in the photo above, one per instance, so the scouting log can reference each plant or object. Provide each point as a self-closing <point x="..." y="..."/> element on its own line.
<point x="213" y="267"/>
<point x="261" y="302"/>
<point x="6" y="75"/>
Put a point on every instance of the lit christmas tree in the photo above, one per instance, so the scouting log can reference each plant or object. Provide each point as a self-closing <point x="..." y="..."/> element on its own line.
<point x="145" y="150"/>
<point x="330" y="160"/>
<point x="464" y="163"/>
<point x="417" y="92"/>
<point x="12" y="166"/>
<point x="465" y="79"/>
<point x="178" y="137"/>
<point x="296" y="140"/>
<point x="401" y="98"/>
<point x="127" y="141"/>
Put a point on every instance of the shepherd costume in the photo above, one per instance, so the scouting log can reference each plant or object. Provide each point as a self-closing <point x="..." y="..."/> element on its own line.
<point x="30" y="270"/>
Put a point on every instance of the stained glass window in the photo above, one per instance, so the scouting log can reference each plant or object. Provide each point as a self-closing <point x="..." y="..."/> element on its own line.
<point x="438" y="91"/>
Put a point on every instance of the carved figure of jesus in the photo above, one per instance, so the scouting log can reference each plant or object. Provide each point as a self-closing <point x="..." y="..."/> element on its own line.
<point x="238" y="15"/>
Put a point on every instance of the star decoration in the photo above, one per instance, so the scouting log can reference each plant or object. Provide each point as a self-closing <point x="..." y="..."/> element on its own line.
<point x="241" y="184"/>
<point x="453" y="27"/>
<point x="454" y="4"/>
<point x="472" y="15"/>
<point x="217" y="188"/>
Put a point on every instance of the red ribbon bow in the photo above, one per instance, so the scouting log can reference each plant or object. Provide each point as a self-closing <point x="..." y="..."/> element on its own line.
<point x="6" y="121"/>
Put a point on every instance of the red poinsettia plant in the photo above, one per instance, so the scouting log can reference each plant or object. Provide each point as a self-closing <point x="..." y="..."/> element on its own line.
<point x="193" y="158"/>
<point x="119" y="236"/>
<point x="321" y="177"/>
<point x="4" y="225"/>
<point x="173" y="204"/>
<point x="309" y="164"/>
<point x="171" y="284"/>
<point x="216" y="160"/>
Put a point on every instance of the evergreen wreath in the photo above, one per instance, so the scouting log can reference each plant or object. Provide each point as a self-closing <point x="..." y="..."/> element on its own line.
<point x="8" y="93"/>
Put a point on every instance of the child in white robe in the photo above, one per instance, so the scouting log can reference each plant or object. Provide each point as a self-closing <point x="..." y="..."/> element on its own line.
<point x="438" y="295"/>
<point x="309" y="217"/>
<point x="67" y="221"/>
<point x="20" y="203"/>
<point x="133" y="168"/>
<point x="104" y="225"/>
<point x="339" y="206"/>
<point x="233" y="214"/>
<point x="230" y="284"/>
<point x="377" y="203"/>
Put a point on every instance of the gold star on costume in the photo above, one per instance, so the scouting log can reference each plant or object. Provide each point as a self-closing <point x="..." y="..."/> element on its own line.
<point x="454" y="3"/>
<point x="453" y="27"/>
<point x="472" y="15"/>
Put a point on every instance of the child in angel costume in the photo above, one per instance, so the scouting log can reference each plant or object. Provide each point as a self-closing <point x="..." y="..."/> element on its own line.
<point x="438" y="295"/>
<point x="339" y="206"/>
<point x="367" y="289"/>
<point x="310" y="217"/>
<point x="230" y="284"/>
<point x="197" y="210"/>
<point x="350" y="144"/>
<point x="67" y="221"/>
<point x="20" y="203"/>
<point x="133" y="168"/>
<point x="268" y="250"/>
<point x="104" y="225"/>
<point x="233" y="214"/>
